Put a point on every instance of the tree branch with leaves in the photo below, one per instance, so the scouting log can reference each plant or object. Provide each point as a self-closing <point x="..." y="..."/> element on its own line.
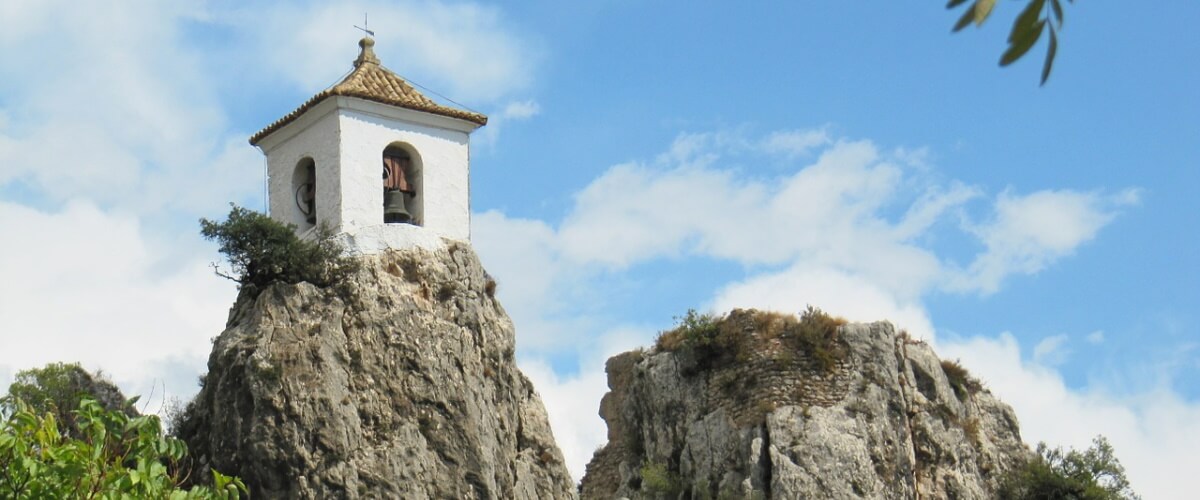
<point x="111" y="455"/>
<point x="1037" y="17"/>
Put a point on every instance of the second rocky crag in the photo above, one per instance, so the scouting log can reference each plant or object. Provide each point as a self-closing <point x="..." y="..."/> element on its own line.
<point x="764" y="405"/>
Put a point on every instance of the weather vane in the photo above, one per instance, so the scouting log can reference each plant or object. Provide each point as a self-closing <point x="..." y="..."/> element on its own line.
<point x="365" y="26"/>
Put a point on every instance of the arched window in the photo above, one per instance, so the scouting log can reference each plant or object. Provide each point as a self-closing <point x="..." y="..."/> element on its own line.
<point x="304" y="188"/>
<point x="402" y="186"/>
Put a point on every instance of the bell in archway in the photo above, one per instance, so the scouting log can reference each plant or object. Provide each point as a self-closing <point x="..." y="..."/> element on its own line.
<point x="393" y="207"/>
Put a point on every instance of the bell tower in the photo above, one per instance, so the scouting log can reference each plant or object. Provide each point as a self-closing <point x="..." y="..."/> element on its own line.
<point x="372" y="159"/>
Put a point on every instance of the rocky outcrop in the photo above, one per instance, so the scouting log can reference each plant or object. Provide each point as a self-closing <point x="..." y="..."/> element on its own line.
<point x="880" y="417"/>
<point x="401" y="383"/>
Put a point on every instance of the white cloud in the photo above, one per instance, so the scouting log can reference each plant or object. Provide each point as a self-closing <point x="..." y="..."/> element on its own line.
<point x="1029" y="232"/>
<point x="533" y="282"/>
<point x="463" y="50"/>
<point x="931" y="206"/>
<point x="89" y="286"/>
<point x="632" y="213"/>
<point x="1155" y="434"/>
<point x="125" y="113"/>
<point x="1051" y="351"/>
<point x="685" y="203"/>
<point x="833" y="212"/>
<point x="793" y="143"/>
<point x="1096" y="337"/>
<point x="231" y="172"/>
<point x="514" y="111"/>
<point x="521" y="110"/>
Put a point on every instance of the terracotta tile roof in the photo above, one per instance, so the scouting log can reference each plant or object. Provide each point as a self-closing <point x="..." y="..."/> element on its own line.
<point x="373" y="82"/>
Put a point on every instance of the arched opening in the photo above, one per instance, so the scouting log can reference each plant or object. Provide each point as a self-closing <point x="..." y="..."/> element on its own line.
<point x="403" y="200"/>
<point x="304" y="189"/>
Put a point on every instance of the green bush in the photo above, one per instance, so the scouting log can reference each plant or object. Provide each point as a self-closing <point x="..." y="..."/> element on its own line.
<point x="1093" y="474"/>
<point x="262" y="251"/>
<point x="705" y="341"/>
<point x="115" y="457"/>
<point x="695" y="331"/>
<point x="658" y="481"/>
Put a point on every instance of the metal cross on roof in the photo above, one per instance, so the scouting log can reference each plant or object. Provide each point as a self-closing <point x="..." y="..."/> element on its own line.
<point x="365" y="26"/>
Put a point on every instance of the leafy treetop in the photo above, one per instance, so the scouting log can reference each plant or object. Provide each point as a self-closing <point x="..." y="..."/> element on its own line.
<point x="58" y="388"/>
<point x="1092" y="474"/>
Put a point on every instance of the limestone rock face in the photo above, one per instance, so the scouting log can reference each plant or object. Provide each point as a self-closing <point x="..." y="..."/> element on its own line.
<point x="400" y="384"/>
<point x="884" y="422"/>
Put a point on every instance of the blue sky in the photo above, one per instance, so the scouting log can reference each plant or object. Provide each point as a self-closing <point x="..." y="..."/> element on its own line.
<point x="646" y="158"/>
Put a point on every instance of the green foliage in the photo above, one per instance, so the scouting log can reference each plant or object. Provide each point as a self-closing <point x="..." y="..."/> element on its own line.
<point x="262" y="251"/>
<point x="960" y="379"/>
<point x="1093" y="474"/>
<point x="659" y="481"/>
<point x="704" y="341"/>
<point x="115" y="457"/>
<point x="58" y="388"/>
<point x="695" y="331"/>
<point x="1037" y="17"/>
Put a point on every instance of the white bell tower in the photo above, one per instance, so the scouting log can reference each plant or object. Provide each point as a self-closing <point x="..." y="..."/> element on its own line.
<point x="374" y="160"/>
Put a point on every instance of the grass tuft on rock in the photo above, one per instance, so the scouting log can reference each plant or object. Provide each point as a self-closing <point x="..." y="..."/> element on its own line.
<point x="711" y="342"/>
<point x="960" y="379"/>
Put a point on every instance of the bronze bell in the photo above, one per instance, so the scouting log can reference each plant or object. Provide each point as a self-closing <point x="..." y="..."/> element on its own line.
<point x="393" y="207"/>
